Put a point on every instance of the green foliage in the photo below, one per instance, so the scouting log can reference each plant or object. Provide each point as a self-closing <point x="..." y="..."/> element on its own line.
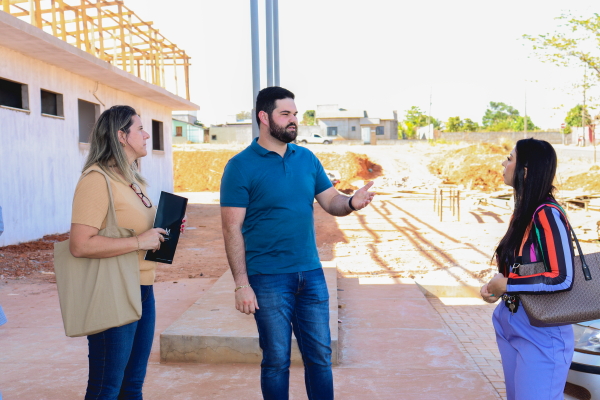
<point x="454" y="124"/>
<point x="574" y="116"/>
<point x="198" y="123"/>
<point x="416" y="118"/>
<point x="500" y="117"/>
<point x="497" y="113"/>
<point x="308" y="118"/>
<point x="242" y="115"/>
<point x="576" y="39"/>
<point x="519" y="124"/>
<point x="470" y="126"/>
<point x="408" y="129"/>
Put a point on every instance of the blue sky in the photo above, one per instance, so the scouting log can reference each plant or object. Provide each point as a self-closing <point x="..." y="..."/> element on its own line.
<point x="377" y="55"/>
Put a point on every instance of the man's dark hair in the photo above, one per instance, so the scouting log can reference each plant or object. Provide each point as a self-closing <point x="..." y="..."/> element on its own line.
<point x="265" y="101"/>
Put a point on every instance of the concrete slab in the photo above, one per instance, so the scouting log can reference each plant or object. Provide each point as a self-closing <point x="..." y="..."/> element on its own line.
<point x="213" y="331"/>
<point x="406" y="355"/>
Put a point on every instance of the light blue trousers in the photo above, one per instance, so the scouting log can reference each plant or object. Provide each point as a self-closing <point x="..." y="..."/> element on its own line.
<point x="535" y="360"/>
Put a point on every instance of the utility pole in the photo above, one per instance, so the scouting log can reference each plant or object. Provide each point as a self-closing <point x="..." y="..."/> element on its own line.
<point x="429" y="116"/>
<point x="269" y="19"/>
<point x="583" y="112"/>
<point x="276" y="40"/>
<point x="255" y="63"/>
<point x="525" y="134"/>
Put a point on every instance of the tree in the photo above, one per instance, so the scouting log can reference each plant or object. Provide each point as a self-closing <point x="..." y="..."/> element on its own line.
<point x="470" y="126"/>
<point x="454" y="124"/>
<point x="242" y="115"/>
<point x="574" y="116"/>
<point x="198" y="123"/>
<point x="499" y="114"/>
<point x="519" y="124"/>
<point x="576" y="40"/>
<point x="416" y="117"/>
<point x="308" y="118"/>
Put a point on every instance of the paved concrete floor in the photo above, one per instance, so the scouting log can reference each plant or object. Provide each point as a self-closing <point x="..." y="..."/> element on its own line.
<point x="394" y="346"/>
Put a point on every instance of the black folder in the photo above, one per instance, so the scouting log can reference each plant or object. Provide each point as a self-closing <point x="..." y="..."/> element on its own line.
<point x="169" y="216"/>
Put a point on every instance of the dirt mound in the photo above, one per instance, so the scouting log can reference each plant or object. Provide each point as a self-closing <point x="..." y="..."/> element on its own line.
<point x="475" y="167"/>
<point x="352" y="167"/>
<point x="588" y="181"/>
<point x="45" y="243"/>
<point x="201" y="171"/>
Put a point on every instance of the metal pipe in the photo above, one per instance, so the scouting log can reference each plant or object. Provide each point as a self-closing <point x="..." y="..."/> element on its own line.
<point x="276" y="41"/>
<point x="255" y="62"/>
<point x="269" y="19"/>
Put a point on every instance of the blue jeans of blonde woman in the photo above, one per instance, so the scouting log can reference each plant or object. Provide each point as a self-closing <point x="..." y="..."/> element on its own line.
<point x="535" y="360"/>
<point x="119" y="356"/>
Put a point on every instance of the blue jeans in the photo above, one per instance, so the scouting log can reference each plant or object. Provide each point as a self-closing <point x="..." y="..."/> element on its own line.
<point x="298" y="301"/>
<point x="119" y="356"/>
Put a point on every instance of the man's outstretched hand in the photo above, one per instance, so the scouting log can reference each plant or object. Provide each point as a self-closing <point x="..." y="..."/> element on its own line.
<point x="362" y="197"/>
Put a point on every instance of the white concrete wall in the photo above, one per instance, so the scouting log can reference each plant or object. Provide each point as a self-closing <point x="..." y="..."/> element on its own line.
<point x="41" y="158"/>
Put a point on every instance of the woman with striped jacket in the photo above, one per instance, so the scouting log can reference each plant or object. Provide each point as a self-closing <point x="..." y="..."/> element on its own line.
<point x="535" y="360"/>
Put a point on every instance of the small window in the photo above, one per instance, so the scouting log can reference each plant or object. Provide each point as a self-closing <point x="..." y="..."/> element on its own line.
<point x="52" y="103"/>
<point x="88" y="114"/>
<point x="379" y="130"/>
<point x="157" y="135"/>
<point x="353" y="128"/>
<point x="318" y="136"/>
<point x="332" y="131"/>
<point x="14" y="94"/>
<point x="178" y="131"/>
<point x="213" y="137"/>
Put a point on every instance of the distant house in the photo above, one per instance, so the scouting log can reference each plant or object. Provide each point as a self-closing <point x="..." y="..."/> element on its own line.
<point x="185" y="129"/>
<point x="355" y="124"/>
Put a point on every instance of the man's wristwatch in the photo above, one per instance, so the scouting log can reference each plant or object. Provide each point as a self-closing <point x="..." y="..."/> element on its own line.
<point x="350" y="204"/>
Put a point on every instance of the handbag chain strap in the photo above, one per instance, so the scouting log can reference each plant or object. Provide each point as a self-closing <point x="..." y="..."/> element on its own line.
<point x="585" y="268"/>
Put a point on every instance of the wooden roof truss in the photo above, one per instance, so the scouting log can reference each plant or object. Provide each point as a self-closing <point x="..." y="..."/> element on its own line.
<point x="108" y="30"/>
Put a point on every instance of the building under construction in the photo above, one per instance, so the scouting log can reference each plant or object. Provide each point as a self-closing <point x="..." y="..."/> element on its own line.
<point x="62" y="62"/>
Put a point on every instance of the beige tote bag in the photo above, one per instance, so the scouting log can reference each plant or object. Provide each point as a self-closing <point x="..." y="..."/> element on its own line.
<point x="98" y="294"/>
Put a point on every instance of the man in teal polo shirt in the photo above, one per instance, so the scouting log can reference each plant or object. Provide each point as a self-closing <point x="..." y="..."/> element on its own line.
<point x="267" y="196"/>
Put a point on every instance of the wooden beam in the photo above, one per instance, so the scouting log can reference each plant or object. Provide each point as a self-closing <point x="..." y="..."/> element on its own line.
<point x="31" y="13"/>
<point x="187" y="79"/>
<point x="86" y="32"/>
<point x="6" y="6"/>
<point x="38" y="15"/>
<point x="78" y="30"/>
<point x="63" y="30"/>
<point x="54" y="27"/>
<point x="100" y="30"/>
<point x="121" y="23"/>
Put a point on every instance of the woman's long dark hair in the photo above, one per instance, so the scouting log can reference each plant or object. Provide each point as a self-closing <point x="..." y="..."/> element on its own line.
<point x="539" y="157"/>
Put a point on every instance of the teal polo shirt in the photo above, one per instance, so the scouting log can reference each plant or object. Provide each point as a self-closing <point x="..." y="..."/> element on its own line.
<point x="278" y="195"/>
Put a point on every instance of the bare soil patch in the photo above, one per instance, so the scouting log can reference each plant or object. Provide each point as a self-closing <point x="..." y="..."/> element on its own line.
<point x="201" y="171"/>
<point x="474" y="167"/>
<point x="587" y="181"/>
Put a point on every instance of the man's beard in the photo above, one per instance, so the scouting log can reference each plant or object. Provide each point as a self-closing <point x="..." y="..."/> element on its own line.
<point x="281" y="133"/>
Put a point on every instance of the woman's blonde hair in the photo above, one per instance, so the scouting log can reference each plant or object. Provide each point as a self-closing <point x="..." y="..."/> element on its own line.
<point x="105" y="148"/>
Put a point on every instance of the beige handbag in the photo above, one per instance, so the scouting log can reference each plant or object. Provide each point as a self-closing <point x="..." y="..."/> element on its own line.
<point x="98" y="293"/>
<point x="581" y="303"/>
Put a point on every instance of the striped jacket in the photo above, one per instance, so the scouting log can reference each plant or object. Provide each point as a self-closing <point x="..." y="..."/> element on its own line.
<point x="553" y="246"/>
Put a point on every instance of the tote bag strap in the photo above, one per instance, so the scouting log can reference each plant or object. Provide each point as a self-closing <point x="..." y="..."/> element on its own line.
<point x="111" y="218"/>
<point x="584" y="267"/>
